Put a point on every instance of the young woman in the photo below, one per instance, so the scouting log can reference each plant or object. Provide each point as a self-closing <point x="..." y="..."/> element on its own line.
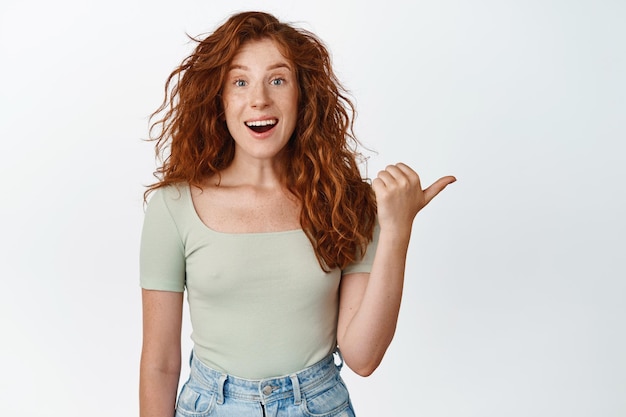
<point x="261" y="215"/>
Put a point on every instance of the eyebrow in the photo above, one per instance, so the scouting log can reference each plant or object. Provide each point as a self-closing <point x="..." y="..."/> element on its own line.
<point x="271" y="67"/>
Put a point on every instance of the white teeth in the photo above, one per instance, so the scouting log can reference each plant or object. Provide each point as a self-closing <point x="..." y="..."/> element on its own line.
<point x="262" y="122"/>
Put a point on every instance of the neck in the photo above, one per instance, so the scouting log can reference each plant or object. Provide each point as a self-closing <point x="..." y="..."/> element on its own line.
<point x="266" y="174"/>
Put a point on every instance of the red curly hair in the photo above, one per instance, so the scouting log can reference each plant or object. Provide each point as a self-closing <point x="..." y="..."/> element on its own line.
<point x="193" y="142"/>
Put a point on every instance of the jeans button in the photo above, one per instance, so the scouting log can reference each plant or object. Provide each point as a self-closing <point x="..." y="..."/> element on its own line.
<point x="268" y="389"/>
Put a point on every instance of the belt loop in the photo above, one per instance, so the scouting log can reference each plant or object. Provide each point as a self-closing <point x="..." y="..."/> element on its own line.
<point x="220" y="388"/>
<point x="338" y="353"/>
<point x="297" y="397"/>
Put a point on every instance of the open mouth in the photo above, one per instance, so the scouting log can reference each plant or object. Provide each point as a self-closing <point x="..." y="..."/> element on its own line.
<point x="260" y="126"/>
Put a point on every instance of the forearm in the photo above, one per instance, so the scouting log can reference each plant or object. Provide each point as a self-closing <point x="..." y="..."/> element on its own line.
<point x="157" y="390"/>
<point x="371" y="329"/>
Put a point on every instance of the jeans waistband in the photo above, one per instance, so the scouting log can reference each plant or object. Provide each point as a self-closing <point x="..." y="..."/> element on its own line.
<point x="309" y="380"/>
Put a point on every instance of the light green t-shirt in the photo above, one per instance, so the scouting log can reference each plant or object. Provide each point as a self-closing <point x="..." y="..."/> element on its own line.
<point x="260" y="304"/>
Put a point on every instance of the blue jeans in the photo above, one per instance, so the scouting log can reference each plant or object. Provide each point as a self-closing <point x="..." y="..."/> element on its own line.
<point x="315" y="391"/>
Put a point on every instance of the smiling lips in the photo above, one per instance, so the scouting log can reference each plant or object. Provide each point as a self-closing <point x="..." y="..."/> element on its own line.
<point x="261" y="126"/>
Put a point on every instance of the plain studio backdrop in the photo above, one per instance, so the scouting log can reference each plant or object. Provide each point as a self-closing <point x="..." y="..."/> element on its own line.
<point x="516" y="278"/>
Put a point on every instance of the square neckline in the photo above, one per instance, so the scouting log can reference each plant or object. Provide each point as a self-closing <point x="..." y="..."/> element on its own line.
<point x="197" y="219"/>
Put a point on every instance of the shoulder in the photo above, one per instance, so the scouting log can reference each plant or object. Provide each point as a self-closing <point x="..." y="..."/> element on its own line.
<point x="366" y="260"/>
<point x="170" y="192"/>
<point x="170" y="201"/>
<point x="169" y="195"/>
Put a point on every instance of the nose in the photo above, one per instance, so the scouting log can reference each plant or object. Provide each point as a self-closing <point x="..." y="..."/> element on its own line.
<point x="259" y="97"/>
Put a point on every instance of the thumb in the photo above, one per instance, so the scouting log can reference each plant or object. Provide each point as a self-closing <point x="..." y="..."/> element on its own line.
<point x="436" y="187"/>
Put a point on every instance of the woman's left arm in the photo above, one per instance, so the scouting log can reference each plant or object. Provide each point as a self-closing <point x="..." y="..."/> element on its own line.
<point x="369" y="303"/>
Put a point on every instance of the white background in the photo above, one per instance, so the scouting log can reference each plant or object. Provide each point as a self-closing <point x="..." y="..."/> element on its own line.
<point x="516" y="278"/>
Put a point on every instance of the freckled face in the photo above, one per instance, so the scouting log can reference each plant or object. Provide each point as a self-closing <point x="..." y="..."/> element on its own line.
<point x="260" y="100"/>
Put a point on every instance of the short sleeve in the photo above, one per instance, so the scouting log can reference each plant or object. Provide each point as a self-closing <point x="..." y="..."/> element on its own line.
<point x="162" y="255"/>
<point x="365" y="263"/>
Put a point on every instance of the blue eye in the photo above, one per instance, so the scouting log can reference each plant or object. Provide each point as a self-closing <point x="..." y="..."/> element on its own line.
<point x="240" y="83"/>
<point x="278" y="81"/>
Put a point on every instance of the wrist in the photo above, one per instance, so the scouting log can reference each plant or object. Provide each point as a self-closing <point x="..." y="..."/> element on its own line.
<point x="395" y="235"/>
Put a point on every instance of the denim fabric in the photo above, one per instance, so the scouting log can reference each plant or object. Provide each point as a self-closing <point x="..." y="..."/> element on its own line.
<point x="316" y="391"/>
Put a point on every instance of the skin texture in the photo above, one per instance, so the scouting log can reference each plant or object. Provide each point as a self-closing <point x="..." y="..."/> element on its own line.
<point x="160" y="352"/>
<point x="250" y="196"/>
<point x="261" y="85"/>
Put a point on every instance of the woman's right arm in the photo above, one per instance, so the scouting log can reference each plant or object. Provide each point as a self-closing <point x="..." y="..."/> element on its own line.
<point x="160" y="353"/>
